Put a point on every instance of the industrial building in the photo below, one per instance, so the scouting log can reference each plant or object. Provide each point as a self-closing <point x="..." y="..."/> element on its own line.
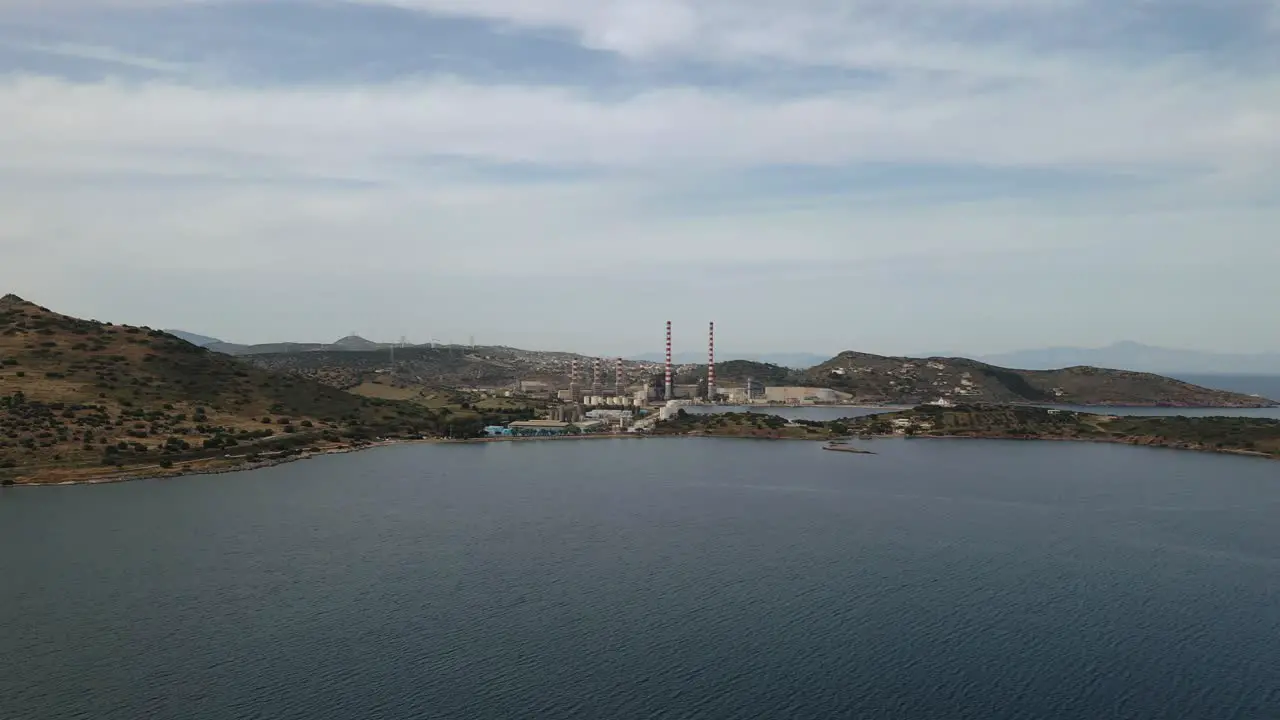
<point x="610" y="414"/>
<point x="802" y="395"/>
<point x="548" y="428"/>
<point x="537" y="428"/>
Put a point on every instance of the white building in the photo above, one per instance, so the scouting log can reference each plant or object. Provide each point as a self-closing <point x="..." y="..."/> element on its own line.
<point x="670" y="410"/>
<point x="610" y="414"/>
<point x="784" y="394"/>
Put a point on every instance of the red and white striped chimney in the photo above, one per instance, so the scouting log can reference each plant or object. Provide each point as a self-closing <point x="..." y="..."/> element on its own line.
<point x="711" y="362"/>
<point x="668" y="395"/>
<point x="619" y="382"/>
<point x="573" y="380"/>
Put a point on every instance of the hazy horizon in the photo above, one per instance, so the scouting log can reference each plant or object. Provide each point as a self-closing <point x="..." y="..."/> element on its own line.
<point x="883" y="176"/>
<point x="802" y="357"/>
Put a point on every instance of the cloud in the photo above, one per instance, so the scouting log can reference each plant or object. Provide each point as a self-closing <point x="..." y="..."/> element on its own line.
<point x="947" y="166"/>
<point x="1160" y="120"/>
<point x="98" y="53"/>
<point x="988" y="38"/>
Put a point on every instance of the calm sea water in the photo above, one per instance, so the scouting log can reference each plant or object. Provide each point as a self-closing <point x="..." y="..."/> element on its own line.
<point x="682" y="578"/>
<point x="1267" y="386"/>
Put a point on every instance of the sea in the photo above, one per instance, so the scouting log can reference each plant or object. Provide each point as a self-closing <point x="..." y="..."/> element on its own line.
<point x="1268" y="386"/>
<point x="657" y="578"/>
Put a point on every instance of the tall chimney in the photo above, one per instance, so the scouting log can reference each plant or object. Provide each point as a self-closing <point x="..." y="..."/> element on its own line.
<point x="619" y="382"/>
<point x="711" y="363"/>
<point x="668" y="394"/>
<point x="573" y="380"/>
<point x="595" y="378"/>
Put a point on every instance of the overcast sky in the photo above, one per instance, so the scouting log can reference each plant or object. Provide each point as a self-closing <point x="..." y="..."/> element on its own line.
<point x="816" y="175"/>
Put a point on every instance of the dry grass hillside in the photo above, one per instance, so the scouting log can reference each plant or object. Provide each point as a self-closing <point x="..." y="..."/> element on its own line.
<point x="913" y="380"/>
<point x="78" y="396"/>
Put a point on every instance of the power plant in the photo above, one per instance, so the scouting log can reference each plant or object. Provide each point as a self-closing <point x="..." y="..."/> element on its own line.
<point x="711" y="362"/>
<point x="637" y="402"/>
<point x="618" y="393"/>
<point x="668" y="390"/>
<point x="618" y="404"/>
<point x="574" y="397"/>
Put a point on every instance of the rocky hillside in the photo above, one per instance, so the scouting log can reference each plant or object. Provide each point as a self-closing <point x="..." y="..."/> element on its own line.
<point x="1244" y="435"/>
<point x="869" y="378"/>
<point x="877" y="378"/>
<point x="737" y="372"/>
<point x="445" y="366"/>
<point x="78" y="397"/>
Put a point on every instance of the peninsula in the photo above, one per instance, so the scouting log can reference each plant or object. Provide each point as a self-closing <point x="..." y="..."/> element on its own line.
<point x="86" y="400"/>
<point x="848" y="378"/>
<point x="83" y="400"/>
<point x="1237" y="435"/>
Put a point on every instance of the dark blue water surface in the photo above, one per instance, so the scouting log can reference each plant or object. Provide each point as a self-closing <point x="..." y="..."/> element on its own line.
<point x="682" y="578"/>
<point x="1267" y="386"/>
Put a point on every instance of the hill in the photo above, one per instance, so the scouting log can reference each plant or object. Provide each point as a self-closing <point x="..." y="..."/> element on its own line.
<point x="869" y="378"/>
<point x="82" y="399"/>
<point x="747" y="425"/>
<point x="354" y="342"/>
<point x="737" y="372"/>
<point x="193" y="338"/>
<point x="1240" y="435"/>
<point x="350" y="343"/>
<point x="902" y="380"/>
<point x="1246" y="435"/>
<point x="795" y="360"/>
<point x="1145" y="358"/>
<point x="236" y="349"/>
<point x="451" y="366"/>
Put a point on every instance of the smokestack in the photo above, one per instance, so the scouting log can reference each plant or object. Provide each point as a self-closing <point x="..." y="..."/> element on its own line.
<point x="619" y="382"/>
<point x="668" y="394"/>
<point x="711" y="363"/>
<point x="595" y="378"/>
<point x="573" y="380"/>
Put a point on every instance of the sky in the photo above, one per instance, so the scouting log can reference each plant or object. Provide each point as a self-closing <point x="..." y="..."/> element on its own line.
<point x="888" y="176"/>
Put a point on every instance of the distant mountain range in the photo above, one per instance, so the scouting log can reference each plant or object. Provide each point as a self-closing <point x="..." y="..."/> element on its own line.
<point x="355" y="343"/>
<point x="194" y="339"/>
<point x="1130" y="355"/>
<point x="1126" y="355"/>
<point x="798" y="360"/>
<point x="351" y="343"/>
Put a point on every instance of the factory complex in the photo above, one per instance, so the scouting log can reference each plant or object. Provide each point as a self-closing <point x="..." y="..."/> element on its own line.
<point x="623" y="404"/>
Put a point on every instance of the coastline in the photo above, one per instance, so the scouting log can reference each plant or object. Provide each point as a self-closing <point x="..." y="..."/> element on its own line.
<point x="155" y="472"/>
<point x="1097" y="441"/>
<point x="148" y="473"/>
<point x="1263" y="404"/>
